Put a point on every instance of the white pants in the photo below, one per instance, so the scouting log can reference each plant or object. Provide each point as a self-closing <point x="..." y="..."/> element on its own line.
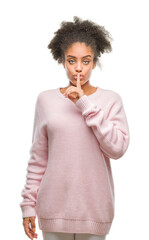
<point x="71" y="236"/>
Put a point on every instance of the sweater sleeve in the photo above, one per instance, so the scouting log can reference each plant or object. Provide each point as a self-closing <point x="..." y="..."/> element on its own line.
<point x="36" y="165"/>
<point x="111" y="130"/>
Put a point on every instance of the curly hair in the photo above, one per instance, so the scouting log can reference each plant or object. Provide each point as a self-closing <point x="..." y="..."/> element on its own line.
<point x="92" y="34"/>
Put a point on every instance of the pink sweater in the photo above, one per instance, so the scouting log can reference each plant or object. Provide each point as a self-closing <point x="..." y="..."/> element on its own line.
<point x="69" y="183"/>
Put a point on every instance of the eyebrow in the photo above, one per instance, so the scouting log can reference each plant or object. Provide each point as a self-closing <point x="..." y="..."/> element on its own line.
<point x="82" y="57"/>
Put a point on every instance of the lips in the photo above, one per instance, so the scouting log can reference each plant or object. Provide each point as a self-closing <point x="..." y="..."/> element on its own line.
<point x="75" y="76"/>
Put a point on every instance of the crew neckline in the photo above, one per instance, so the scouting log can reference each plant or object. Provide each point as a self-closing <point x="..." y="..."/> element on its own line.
<point x="90" y="95"/>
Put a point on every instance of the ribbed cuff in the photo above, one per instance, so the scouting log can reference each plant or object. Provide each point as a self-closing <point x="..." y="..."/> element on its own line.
<point x="28" y="211"/>
<point x="84" y="103"/>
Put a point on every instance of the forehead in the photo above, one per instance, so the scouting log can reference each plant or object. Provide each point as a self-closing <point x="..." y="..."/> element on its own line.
<point x="79" y="49"/>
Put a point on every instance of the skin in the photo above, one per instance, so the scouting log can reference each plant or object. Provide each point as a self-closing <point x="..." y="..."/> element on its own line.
<point x="77" y="88"/>
<point x="76" y="65"/>
<point x="30" y="230"/>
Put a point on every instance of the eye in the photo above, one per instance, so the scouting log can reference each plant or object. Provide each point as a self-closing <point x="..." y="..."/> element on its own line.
<point x="86" y="61"/>
<point x="70" y="61"/>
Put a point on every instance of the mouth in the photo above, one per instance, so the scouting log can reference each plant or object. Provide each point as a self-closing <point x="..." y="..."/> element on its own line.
<point x="75" y="76"/>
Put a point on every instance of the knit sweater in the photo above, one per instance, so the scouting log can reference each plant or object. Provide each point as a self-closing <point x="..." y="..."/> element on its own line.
<point x="69" y="183"/>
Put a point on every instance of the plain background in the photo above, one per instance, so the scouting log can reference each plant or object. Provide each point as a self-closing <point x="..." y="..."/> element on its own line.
<point x="27" y="68"/>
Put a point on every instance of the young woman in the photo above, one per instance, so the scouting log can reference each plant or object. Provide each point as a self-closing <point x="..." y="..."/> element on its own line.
<point x="77" y="129"/>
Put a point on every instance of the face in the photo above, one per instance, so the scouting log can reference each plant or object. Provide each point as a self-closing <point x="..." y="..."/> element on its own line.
<point x="79" y="59"/>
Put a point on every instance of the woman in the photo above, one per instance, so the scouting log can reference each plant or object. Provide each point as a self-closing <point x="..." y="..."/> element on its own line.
<point x="77" y="129"/>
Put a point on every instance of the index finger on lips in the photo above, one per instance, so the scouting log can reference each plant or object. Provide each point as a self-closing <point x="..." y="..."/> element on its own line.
<point x="78" y="81"/>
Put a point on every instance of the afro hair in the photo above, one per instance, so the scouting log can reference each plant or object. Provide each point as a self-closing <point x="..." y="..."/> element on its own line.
<point x="92" y="34"/>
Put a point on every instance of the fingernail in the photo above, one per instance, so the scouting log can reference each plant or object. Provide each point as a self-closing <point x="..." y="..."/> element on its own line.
<point x="34" y="229"/>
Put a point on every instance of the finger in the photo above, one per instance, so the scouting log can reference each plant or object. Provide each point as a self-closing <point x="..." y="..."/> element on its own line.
<point x="78" y="81"/>
<point x="33" y="226"/>
<point x="27" y="231"/>
<point x="67" y="90"/>
<point x="34" y="235"/>
<point x="71" y="93"/>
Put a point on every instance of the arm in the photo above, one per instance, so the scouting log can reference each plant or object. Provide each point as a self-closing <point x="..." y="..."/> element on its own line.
<point x="36" y="166"/>
<point x="112" y="132"/>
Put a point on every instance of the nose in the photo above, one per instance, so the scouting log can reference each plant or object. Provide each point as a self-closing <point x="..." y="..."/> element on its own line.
<point x="78" y="67"/>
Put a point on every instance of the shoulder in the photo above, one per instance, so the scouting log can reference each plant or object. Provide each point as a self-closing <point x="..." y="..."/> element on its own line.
<point x="45" y="95"/>
<point x="111" y="96"/>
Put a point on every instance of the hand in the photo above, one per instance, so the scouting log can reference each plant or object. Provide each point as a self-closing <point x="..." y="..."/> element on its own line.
<point x="30" y="231"/>
<point x="74" y="93"/>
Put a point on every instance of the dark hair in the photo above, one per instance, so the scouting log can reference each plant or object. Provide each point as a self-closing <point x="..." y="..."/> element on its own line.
<point x="94" y="35"/>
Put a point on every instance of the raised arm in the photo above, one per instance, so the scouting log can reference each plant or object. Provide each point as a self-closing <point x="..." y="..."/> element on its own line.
<point x="111" y="130"/>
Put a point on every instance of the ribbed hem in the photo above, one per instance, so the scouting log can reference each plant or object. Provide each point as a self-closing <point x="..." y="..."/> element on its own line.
<point x="84" y="103"/>
<point x="74" y="226"/>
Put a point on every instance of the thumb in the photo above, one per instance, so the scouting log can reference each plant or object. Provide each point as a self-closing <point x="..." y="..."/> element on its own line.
<point x="33" y="226"/>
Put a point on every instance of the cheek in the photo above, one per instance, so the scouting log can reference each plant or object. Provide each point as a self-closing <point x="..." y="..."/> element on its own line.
<point x="89" y="71"/>
<point x="69" y="72"/>
<point x="68" y="69"/>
